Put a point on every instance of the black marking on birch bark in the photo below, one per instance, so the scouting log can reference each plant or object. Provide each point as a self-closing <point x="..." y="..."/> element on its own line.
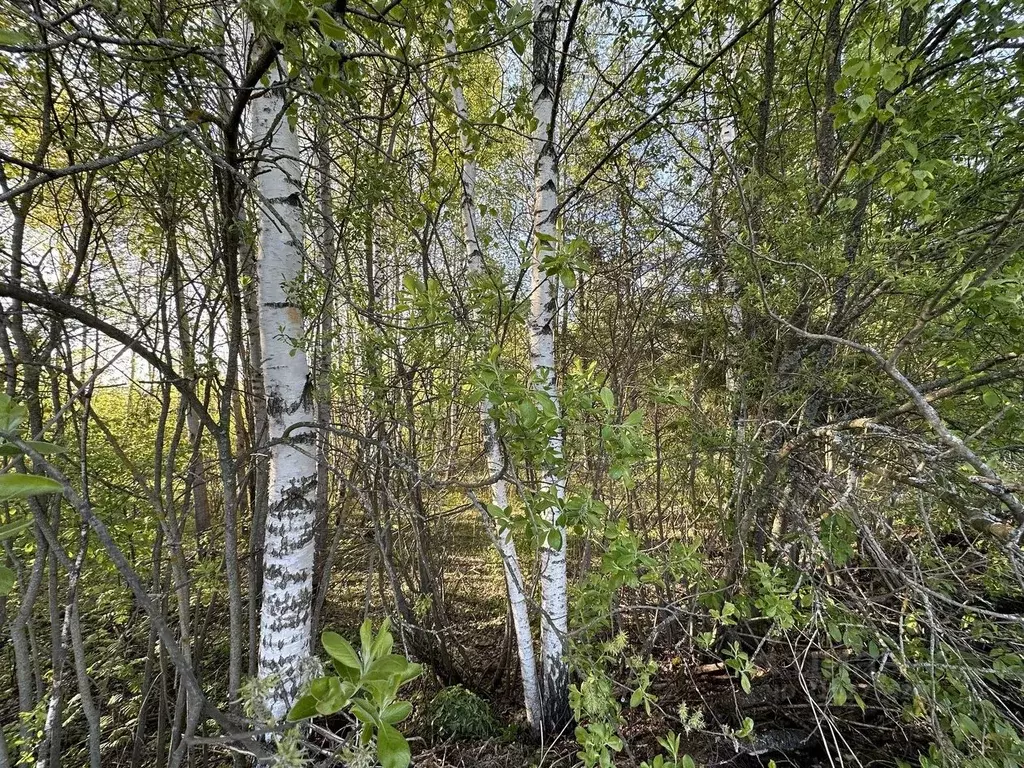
<point x="302" y="486"/>
<point x="288" y="612"/>
<point x="555" y="697"/>
<point x="277" y="407"/>
<point x="284" y="526"/>
<point x="288" y="545"/>
<point x="287" y="513"/>
<point x="307" y="392"/>
<point x="281" y="304"/>
<point x="281" y="576"/>
<point x="549" y="218"/>
<point x="275" y="404"/>
<point x="286" y="550"/>
<point x="296" y="605"/>
<point x="307" y="437"/>
<point x="490" y="439"/>
<point x="288" y="622"/>
<point x="289" y="616"/>
<point x="295" y="500"/>
<point x="292" y="201"/>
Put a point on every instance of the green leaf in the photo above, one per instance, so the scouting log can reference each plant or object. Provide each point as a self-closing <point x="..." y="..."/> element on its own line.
<point x="304" y="708"/>
<point x="547" y="405"/>
<point x="396" y="712"/>
<point x="385" y="667"/>
<point x="11" y="530"/>
<point x="527" y="413"/>
<point x="366" y="635"/>
<point x="411" y="672"/>
<point x="745" y="683"/>
<point x="410" y="282"/>
<point x="340" y="649"/>
<point x="13" y="486"/>
<point x="332" y="699"/>
<point x="384" y="641"/>
<point x="635" y="418"/>
<point x="392" y="748"/>
<point x="329" y="27"/>
<point x="991" y="398"/>
<point x="346" y="673"/>
<point x="13" y="38"/>
<point x="8" y="579"/>
<point x="362" y="713"/>
<point x="320" y="688"/>
<point x="554" y="539"/>
<point x="746" y="729"/>
<point x="43" y="449"/>
<point x="968" y="726"/>
<point x="12" y="414"/>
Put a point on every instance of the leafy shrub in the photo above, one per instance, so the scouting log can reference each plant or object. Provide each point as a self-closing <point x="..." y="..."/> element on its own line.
<point x="366" y="686"/>
<point x="14" y="486"/>
<point x="458" y="714"/>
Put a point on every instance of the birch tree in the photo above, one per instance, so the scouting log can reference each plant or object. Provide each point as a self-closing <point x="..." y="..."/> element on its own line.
<point x="492" y="445"/>
<point x="288" y="556"/>
<point x="540" y="330"/>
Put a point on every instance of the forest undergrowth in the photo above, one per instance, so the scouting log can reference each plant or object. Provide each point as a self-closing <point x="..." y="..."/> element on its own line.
<point x="580" y="383"/>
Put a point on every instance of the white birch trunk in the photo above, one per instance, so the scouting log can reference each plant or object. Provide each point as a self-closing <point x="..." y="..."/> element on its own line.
<point x="291" y="513"/>
<point x="492" y="446"/>
<point x="541" y="333"/>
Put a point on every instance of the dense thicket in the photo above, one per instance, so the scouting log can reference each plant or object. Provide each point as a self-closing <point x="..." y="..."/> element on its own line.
<point x="651" y="368"/>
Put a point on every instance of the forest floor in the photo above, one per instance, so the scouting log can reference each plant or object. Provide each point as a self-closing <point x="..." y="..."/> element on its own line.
<point x="793" y="724"/>
<point x="788" y="729"/>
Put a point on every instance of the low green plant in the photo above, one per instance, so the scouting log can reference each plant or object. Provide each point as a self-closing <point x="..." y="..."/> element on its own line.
<point x="673" y="758"/>
<point x="458" y="714"/>
<point x="599" y="742"/>
<point x="17" y="486"/>
<point x="739" y="662"/>
<point x="366" y="687"/>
